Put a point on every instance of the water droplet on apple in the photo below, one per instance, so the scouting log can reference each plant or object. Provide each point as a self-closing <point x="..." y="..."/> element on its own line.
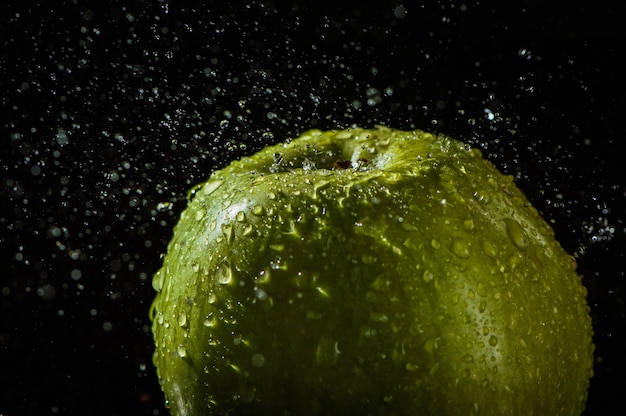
<point x="482" y="197"/>
<point x="224" y="274"/>
<point x="428" y="276"/>
<point x="327" y="351"/>
<point x="517" y="234"/>
<point x="209" y="320"/>
<point x="247" y="230"/>
<point x="489" y="249"/>
<point x="493" y="341"/>
<point x="182" y="320"/>
<point x="461" y="248"/>
<point x="229" y="234"/>
<point x="181" y="351"/>
<point x="241" y="216"/>
<point x="211" y="186"/>
<point x="435" y="244"/>
<point x="157" y="281"/>
<point x="258" y="210"/>
<point x="257" y="360"/>
<point x="211" y="298"/>
<point x="260" y="293"/>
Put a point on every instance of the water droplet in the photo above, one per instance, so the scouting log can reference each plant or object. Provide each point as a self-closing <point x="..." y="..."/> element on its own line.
<point x="211" y="298"/>
<point x="327" y="352"/>
<point x="493" y="341"/>
<point x="257" y="360"/>
<point x="430" y="345"/>
<point x="435" y="244"/>
<point x="195" y="266"/>
<point x="209" y="320"/>
<point x="260" y="293"/>
<point x="241" y="216"/>
<point x="428" y="276"/>
<point x="489" y="249"/>
<point x="258" y="210"/>
<point x="182" y="320"/>
<point x="211" y="186"/>
<point x="224" y="274"/>
<point x="482" y="197"/>
<point x="247" y="230"/>
<point x="199" y="214"/>
<point x="181" y="351"/>
<point x="517" y="234"/>
<point x="227" y="230"/>
<point x="157" y="281"/>
<point x="469" y="224"/>
<point x="461" y="248"/>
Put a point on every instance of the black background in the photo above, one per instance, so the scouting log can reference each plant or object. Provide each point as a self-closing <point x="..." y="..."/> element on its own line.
<point x="111" y="111"/>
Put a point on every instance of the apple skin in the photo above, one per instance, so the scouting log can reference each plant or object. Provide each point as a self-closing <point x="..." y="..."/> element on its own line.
<point x="368" y="272"/>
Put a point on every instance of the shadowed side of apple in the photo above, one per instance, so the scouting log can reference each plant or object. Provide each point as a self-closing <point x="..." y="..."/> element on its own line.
<point x="369" y="272"/>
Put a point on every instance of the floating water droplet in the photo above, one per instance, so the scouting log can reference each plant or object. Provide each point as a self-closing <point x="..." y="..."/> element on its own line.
<point x="224" y="274"/>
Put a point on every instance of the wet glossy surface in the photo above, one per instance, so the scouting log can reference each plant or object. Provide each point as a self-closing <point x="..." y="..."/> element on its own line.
<point x="110" y="113"/>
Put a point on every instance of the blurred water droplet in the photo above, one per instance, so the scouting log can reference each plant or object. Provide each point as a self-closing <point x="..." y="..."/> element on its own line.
<point x="181" y="351"/>
<point x="257" y="360"/>
<point x="327" y="351"/>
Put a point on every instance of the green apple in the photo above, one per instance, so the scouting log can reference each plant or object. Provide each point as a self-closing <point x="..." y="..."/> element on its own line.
<point x="368" y="272"/>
